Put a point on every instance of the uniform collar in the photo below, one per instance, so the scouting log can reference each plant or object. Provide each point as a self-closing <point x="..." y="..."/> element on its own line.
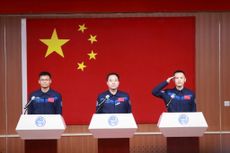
<point x="179" y="91"/>
<point x="47" y="93"/>
<point x="111" y="93"/>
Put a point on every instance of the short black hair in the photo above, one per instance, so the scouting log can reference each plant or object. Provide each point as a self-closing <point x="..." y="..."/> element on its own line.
<point x="178" y="71"/>
<point x="112" y="73"/>
<point x="44" y="73"/>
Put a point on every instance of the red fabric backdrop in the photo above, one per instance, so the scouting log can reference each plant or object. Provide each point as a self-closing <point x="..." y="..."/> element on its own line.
<point x="144" y="51"/>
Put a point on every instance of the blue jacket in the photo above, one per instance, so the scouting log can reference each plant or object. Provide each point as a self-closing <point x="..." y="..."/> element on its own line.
<point x="45" y="103"/>
<point x="118" y="103"/>
<point x="176" y="100"/>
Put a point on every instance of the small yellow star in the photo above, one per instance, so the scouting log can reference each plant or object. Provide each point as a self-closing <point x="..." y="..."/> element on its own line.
<point x="82" y="28"/>
<point x="81" y="66"/>
<point x="92" y="39"/>
<point x="54" y="44"/>
<point x="92" y="55"/>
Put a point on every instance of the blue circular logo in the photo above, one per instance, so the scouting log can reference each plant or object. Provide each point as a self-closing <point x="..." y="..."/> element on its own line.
<point x="113" y="120"/>
<point x="183" y="119"/>
<point x="40" y="121"/>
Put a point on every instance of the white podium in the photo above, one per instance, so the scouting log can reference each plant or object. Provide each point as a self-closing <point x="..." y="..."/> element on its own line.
<point x="113" y="131"/>
<point x="40" y="126"/>
<point x="182" y="124"/>
<point x="40" y="132"/>
<point x="182" y="130"/>
<point x="113" y="125"/>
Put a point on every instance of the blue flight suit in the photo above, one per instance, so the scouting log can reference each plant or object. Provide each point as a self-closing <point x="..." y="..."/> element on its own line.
<point x="45" y="103"/>
<point x="118" y="103"/>
<point x="176" y="100"/>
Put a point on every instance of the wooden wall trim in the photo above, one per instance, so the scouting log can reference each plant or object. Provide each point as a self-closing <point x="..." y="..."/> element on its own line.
<point x="225" y="71"/>
<point x="13" y="66"/>
<point x="207" y="68"/>
<point x="2" y="77"/>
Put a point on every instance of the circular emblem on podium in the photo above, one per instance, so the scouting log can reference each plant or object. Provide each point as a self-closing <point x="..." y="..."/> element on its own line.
<point x="183" y="119"/>
<point x="113" y="120"/>
<point x="40" y="121"/>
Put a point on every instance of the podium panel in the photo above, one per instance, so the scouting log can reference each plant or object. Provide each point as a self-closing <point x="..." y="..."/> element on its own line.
<point x="41" y="146"/>
<point x="40" y="126"/>
<point x="113" y="131"/>
<point x="182" y="124"/>
<point x="118" y="145"/>
<point x="113" y="125"/>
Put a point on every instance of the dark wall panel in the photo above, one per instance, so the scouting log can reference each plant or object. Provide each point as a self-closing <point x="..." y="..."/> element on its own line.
<point x="2" y="79"/>
<point x="207" y="68"/>
<point x="13" y="76"/>
<point x="47" y="6"/>
<point x="3" y="145"/>
<point x="15" y="145"/>
<point x="86" y="144"/>
<point x="210" y="144"/>
<point x="225" y="70"/>
<point x="225" y="147"/>
<point x="148" y="144"/>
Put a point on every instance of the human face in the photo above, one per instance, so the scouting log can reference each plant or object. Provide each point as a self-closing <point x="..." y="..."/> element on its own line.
<point x="179" y="79"/>
<point x="44" y="81"/>
<point x="113" y="82"/>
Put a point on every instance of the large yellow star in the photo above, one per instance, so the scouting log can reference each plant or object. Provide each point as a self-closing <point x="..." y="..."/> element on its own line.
<point x="81" y="66"/>
<point x="92" y="39"/>
<point x="54" y="44"/>
<point x="92" y="55"/>
<point x="82" y="28"/>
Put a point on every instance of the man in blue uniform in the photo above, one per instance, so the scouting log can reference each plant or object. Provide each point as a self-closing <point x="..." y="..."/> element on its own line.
<point x="178" y="99"/>
<point x="45" y="100"/>
<point x="113" y="100"/>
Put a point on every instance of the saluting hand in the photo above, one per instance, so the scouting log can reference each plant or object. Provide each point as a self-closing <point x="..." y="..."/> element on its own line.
<point x="170" y="78"/>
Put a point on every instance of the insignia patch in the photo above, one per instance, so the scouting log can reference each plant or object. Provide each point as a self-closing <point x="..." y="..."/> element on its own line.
<point x="51" y="100"/>
<point x="121" y="99"/>
<point x="187" y="97"/>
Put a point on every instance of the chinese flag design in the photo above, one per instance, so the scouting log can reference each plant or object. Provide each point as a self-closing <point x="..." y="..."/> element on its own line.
<point x="51" y="100"/>
<point x="121" y="99"/>
<point x="80" y="52"/>
<point x="187" y="97"/>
